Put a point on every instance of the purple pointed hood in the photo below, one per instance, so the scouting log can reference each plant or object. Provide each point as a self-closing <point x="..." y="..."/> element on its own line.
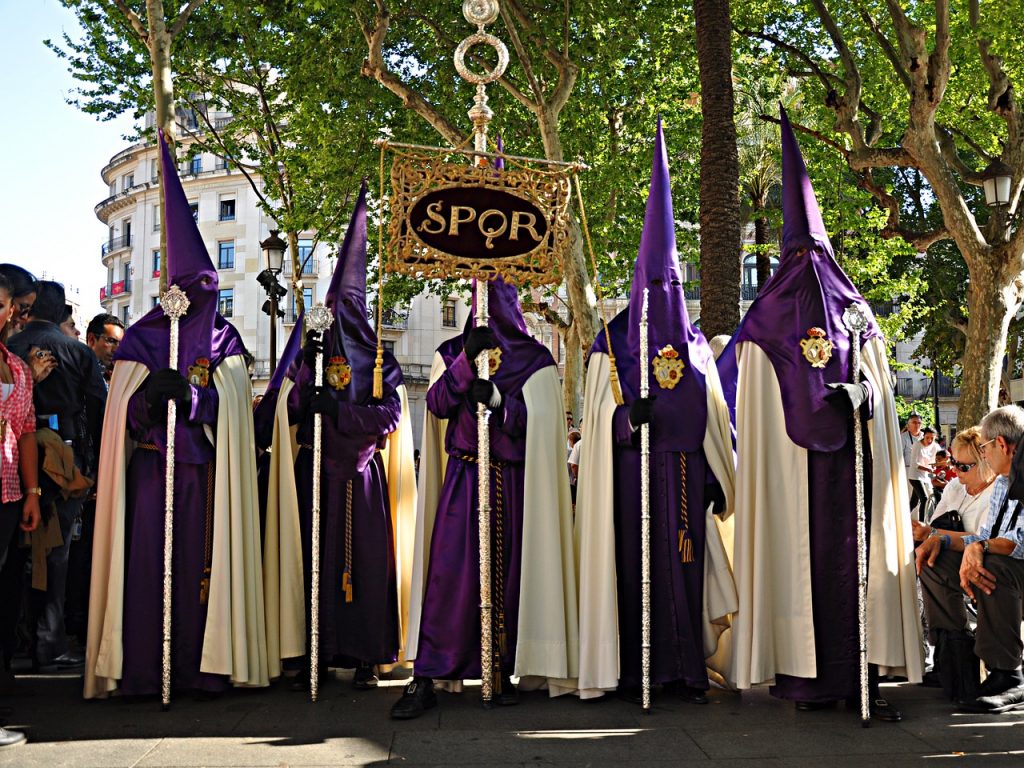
<point x="668" y="323"/>
<point x="809" y="290"/>
<point x="351" y="335"/>
<point x="203" y="333"/>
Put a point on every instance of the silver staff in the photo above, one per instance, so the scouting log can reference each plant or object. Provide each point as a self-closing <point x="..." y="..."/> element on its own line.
<point x="319" y="319"/>
<point x="856" y="322"/>
<point x="480" y="13"/>
<point x="645" y="521"/>
<point x="175" y="304"/>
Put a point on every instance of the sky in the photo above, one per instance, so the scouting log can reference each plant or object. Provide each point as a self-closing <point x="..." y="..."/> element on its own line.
<point x="52" y="156"/>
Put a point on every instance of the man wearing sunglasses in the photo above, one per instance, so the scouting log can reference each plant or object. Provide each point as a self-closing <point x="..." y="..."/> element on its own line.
<point x="103" y="335"/>
<point x="989" y="568"/>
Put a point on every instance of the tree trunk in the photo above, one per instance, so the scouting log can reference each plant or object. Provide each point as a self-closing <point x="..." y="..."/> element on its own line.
<point x="990" y="307"/>
<point x="293" y="254"/>
<point x="761" y="240"/>
<point x="720" y="265"/>
<point x="572" y="396"/>
<point x="159" y="45"/>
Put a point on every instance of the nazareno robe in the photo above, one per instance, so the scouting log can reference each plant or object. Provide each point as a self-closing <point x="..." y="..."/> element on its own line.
<point x="538" y="574"/>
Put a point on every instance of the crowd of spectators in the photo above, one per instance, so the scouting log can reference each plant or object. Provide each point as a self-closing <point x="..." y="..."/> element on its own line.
<point x="53" y="388"/>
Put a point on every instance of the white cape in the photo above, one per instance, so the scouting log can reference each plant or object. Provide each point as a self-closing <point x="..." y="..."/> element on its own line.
<point x="595" y="537"/>
<point x="774" y="628"/>
<point x="547" y="650"/>
<point x="234" y="643"/>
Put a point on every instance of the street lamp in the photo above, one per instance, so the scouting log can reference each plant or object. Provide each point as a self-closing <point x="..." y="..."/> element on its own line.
<point x="273" y="259"/>
<point x="997" y="179"/>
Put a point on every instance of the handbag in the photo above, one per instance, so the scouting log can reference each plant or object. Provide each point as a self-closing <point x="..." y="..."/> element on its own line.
<point x="949" y="521"/>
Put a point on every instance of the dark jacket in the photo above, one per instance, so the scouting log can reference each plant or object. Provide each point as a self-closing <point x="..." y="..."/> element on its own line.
<point x="75" y="390"/>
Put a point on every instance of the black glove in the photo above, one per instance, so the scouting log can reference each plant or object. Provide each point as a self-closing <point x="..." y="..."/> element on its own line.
<point x="713" y="495"/>
<point x="486" y="393"/>
<point x="163" y="385"/>
<point x="322" y="402"/>
<point x="477" y="340"/>
<point x="313" y="345"/>
<point x="849" y="397"/>
<point x="641" y="411"/>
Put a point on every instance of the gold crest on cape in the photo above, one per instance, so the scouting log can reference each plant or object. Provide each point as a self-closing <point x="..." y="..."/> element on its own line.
<point x="199" y="372"/>
<point x="494" y="360"/>
<point x="816" y="347"/>
<point x="338" y="373"/>
<point x="668" y="367"/>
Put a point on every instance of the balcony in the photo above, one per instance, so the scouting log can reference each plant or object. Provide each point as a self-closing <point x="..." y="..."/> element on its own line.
<point x="120" y="288"/>
<point x="393" y="319"/>
<point x="116" y="244"/>
<point x="310" y="266"/>
<point x="416" y="372"/>
<point x="748" y="292"/>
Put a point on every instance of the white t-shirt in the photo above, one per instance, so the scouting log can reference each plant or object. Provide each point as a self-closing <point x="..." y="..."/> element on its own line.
<point x="574" y="459"/>
<point x="909" y="441"/>
<point x="972" y="509"/>
<point x="922" y="454"/>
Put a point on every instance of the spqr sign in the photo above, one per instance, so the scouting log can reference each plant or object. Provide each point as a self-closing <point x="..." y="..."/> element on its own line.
<point x="459" y="220"/>
<point x="478" y="222"/>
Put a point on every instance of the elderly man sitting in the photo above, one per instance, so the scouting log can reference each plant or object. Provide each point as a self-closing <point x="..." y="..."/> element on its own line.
<point x="989" y="567"/>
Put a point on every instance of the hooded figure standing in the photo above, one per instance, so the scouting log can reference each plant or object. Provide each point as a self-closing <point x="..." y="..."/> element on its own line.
<point x="533" y="583"/>
<point x="788" y="372"/>
<point x="219" y="636"/>
<point x="691" y="471"/>
<point x="367" y="488"/>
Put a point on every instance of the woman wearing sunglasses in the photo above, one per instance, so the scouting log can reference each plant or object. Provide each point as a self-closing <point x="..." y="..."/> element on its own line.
<point x="968" y="494"/>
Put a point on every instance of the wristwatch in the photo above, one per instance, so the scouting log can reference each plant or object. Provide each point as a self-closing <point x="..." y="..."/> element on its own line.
<point x="984" y="546"/>
<point x="37" y="491"/>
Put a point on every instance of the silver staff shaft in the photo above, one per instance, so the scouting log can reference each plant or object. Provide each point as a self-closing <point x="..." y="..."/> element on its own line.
<point x="645" y="521"/>
<point x="320" y="320"/>
<point x="175" y="305"/>
<point x="856" y="321"/>
<point x="483" y="439"/>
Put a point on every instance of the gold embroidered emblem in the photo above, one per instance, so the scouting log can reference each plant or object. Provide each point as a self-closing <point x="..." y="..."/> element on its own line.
<point x="668" y="367"/>
<point x="494" y="360"/>
<point x="199" y="373"/>
<point x="816" y="348"/>
<point x="338" y="372"/>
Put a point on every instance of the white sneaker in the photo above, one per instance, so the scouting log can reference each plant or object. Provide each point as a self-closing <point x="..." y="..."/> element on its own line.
<point x="11" y="738"/>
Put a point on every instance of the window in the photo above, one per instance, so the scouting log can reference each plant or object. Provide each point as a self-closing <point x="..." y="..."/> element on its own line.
<point x="156" y="301"/>
<point x="222" y="164"/>
<point x="156" y="263"/>
<point x="196" y="165"/>
<point x="227" y="209"/>
<point x="126" y="315"/>
<point x="448" y="319"/>
<point x="128" y="181"/>
<point x="226" y="254"/>
<point x="307" y="302"/>
<point x="226" y="301"/>
<point x="154" y="173"/>
<point x="389" y="346"/>
<point x="306" y="261"/>
<point x="113" y="188"/>
<point x="157" y="214"/>
<point x="195" y="210"/>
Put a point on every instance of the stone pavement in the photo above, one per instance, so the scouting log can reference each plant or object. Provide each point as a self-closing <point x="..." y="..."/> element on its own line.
<point x="280" y="728"/>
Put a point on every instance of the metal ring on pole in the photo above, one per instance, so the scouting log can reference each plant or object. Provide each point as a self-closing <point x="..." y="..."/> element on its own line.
<point x="489" y="76"/>
<point x="480" y="12"/>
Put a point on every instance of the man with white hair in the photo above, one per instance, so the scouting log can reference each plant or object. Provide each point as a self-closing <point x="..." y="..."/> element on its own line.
<point x="989" y="567"/>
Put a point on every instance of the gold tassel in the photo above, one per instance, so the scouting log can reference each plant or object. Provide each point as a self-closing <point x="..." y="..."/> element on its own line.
<point x="685" y="547"/>
<point x="613" y="377"/>
<point x="204" y="587"/>
<point x="346" y="585"/>
<point x="378" y="373"/>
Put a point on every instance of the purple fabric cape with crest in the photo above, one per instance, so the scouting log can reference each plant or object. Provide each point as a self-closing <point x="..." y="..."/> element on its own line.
<point x="364" y="630"/>
<point x="678" y="427"/>
<point x="811" y="290"/>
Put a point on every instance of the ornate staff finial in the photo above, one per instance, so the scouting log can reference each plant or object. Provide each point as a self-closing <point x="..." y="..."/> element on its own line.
<point x="480" y="13"/>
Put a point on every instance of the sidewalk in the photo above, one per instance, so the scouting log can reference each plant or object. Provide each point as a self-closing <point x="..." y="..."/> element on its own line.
<point x="279" y="728"/>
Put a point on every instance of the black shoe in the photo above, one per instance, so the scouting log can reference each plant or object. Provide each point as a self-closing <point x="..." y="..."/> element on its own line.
<point x="509" y="696"/>
<point x="69" y="660"/>
<point x="691" y="695"/>
<point x="301" y="680"/>
<point x="931" y="679"/>
<point x="884" y="711"/>
<point x="814" y="706"/>
<point x="1007" y="701"/>
<point x="417" y="698"/>
<point x="364" y="679"/>
<point x="631" y="693"/>
<point x="1000" y="680"/>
